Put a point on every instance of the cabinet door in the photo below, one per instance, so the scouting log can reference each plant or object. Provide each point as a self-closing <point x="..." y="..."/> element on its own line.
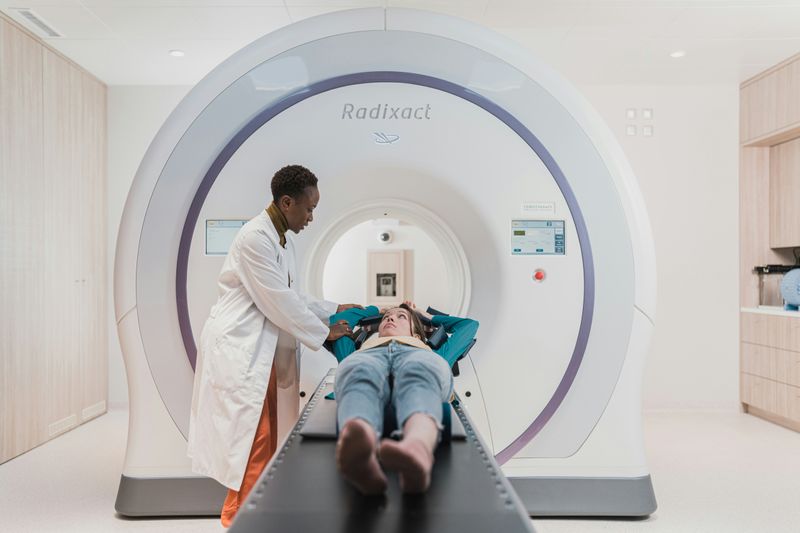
<point x="771" y="103"/>
<point x="765" y="394"/>
<point x="94" y="345"/>
<point x="787" y="111"/>
<point x="784" y="195"/>
<point x="53" y="346"/>
<point x="793" y="403"/>
<point x="23" y="331"/>
<point x="769" y="330"/>
<point x="772" y="363"/>
<point x="758" y="360"/>
<point x="759" y="101"/>
<point x="63" y="197"/>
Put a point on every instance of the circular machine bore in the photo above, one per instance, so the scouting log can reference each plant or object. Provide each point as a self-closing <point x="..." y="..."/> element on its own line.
<point x="442" y="280"/>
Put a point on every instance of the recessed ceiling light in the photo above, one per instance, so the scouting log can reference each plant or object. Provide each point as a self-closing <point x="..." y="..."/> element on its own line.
<point x="177" y="53"/>
<point x="678" y="54"/>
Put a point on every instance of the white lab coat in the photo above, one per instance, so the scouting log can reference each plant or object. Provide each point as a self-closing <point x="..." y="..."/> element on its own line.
<point x="258" y="313"/>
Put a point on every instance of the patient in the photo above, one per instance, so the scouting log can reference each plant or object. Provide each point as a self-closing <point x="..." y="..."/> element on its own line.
<point x="423" y="381"/>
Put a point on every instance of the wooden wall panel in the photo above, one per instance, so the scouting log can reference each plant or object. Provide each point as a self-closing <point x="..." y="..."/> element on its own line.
<point x="53" y="349"/>
<point x="94" y="360"/>
<point x="21" y="243"/>
<point x="62" y="166"/>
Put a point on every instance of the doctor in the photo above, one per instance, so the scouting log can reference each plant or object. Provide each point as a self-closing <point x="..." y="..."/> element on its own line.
<point x="249" y="347"/>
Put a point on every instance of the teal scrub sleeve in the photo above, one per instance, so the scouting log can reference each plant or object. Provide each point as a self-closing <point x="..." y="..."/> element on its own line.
<point x="461" y="330"/>
<point x="344" y="346"/>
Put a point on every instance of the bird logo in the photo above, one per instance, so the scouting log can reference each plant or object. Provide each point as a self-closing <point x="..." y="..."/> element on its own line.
<point x="385" y="138"/>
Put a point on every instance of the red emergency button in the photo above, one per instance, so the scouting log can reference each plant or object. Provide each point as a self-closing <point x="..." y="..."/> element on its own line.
<point x="538" y="275"/>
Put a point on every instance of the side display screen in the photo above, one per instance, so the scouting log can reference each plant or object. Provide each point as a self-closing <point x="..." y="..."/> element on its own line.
<point x="220" y="234"/>
<point x="537" y="237"/>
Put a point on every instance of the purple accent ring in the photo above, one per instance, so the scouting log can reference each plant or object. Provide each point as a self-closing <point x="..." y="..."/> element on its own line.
<point x="456" y="90"/>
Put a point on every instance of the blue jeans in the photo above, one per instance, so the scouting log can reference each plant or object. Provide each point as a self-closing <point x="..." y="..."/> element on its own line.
<point x="422" y="383"/>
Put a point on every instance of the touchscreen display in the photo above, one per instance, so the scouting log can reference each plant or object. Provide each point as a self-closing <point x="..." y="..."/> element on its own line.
<point x="537" y="237"/>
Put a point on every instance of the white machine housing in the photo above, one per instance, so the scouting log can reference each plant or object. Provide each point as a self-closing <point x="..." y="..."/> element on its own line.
<point x="432" y="120"/>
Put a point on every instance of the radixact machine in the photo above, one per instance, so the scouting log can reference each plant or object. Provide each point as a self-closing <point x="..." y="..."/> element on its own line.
<point x="435" y="121"/>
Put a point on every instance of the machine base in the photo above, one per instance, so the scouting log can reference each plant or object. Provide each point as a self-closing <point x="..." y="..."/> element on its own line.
<point x="169" y="496"/>
<point x="558" y="496"/>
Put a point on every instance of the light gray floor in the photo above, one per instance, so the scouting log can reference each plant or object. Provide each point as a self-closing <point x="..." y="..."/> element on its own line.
<point x="712" y="472"/>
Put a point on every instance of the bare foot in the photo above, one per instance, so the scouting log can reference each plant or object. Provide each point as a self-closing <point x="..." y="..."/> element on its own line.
<point x="412" y="460"/>
<point x="356" y="459"/>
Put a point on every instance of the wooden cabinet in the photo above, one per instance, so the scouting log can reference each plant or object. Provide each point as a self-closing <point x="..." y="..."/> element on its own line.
<point x="770" y="367"/>
<point x="770" y="103"/>
<point x="769" y="227"/>
<point x="771" y="330"/>
<point x="94" y="354"/>
<point x="784" y="194"/>
<point x="53" y="340"/>
<point x="22" y="280"/>
<point x="787" y="103"/>
<point x="760" y="99"/>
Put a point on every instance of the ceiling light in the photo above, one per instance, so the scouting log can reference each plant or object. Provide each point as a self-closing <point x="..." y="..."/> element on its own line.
<point x="37" y="21"/>
<point x="678" y="54"/>
<point x="177" y="53"/>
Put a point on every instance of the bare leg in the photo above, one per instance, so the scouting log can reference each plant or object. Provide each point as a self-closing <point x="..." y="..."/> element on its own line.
<point x="412" y="457"/>
<point x="356" y="458"/>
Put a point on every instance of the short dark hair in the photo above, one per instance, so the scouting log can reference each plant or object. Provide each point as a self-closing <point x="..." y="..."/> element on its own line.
<point x="292" y="180"/>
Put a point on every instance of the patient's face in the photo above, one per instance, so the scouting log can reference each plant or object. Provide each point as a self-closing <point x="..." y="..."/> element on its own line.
<point x="395" y="323"/>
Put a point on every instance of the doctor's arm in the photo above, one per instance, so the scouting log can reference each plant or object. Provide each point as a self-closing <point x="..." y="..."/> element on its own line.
<point x="324" y="308"/>
<point x="270" y="291"/>
<point x="321" y="308"/>
<point x="344" y="346"/>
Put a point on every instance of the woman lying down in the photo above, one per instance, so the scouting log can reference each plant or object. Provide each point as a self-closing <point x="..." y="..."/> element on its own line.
<point x="423" y="381"/>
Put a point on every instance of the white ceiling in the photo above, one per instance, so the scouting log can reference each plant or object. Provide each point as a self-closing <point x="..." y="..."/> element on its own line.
<point x="126" y="42"/>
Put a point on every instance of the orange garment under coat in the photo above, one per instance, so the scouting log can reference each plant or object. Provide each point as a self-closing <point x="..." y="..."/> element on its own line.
<point x="265" y="444"/>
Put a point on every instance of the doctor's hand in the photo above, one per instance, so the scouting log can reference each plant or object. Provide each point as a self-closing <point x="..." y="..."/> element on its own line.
<point x="339" y="330"/>
<point x="345" y="307"/>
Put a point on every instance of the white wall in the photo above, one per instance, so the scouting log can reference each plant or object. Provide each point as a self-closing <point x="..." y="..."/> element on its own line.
<point x="345" y="276"/>
<point x="688" y="172"/>
<point x="134" y="116"/>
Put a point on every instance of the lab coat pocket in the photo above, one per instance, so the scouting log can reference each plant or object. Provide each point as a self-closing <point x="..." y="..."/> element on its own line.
<point x="227" y="365"/>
